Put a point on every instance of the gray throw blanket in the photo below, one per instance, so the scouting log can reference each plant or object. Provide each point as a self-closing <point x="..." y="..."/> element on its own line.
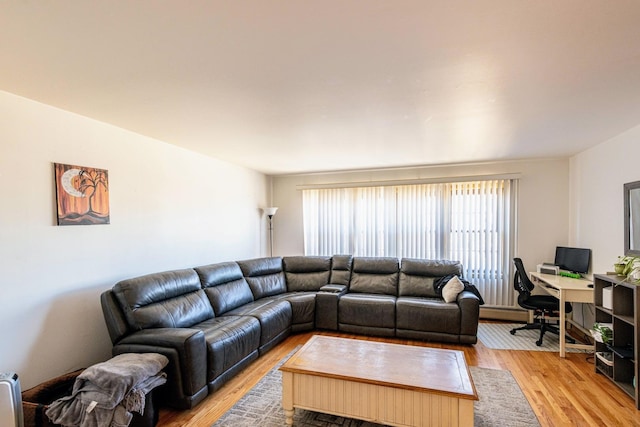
<point x="105" y="394"/>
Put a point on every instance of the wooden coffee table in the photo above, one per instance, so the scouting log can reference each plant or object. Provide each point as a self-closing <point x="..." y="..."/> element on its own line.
<point x="392" y="384"/>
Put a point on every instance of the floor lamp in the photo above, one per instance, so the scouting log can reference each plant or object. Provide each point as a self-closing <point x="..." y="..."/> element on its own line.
<point x="270" y="212"/>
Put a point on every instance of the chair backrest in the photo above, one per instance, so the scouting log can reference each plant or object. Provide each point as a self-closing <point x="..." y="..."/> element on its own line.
<point x="521" y="282"/>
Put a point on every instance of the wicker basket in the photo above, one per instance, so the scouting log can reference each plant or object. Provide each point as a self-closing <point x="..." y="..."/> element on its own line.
<point x="36" y="400"/>
<point x="604" y="362"/>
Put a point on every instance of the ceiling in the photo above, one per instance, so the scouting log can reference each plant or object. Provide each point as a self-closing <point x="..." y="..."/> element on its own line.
<point x="297" y="86"/>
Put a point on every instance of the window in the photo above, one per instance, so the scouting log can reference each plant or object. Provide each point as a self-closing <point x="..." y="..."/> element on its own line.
<point x="471" y="222"/>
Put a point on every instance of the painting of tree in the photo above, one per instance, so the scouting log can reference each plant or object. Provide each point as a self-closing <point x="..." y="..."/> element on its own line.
<point x="82" y="194"/>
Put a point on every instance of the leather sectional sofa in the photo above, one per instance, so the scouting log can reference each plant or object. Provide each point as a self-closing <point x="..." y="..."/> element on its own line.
<point x="212" y="321"/>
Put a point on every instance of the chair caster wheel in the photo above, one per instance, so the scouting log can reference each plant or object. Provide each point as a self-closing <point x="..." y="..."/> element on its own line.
<point x="513" y="332"/>
<point x="539" y="343"/>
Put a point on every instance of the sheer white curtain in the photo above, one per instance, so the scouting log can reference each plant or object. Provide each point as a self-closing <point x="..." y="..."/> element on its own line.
<point x="471" y="222"/>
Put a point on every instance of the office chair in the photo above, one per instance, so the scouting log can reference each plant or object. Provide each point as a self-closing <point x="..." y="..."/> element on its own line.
<point x="542" y="305"/>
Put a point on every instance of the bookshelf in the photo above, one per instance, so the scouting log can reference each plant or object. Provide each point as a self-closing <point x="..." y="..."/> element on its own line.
<point x="618" y="360"/>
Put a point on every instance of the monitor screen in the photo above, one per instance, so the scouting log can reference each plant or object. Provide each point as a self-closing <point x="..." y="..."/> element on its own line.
<point x="575" y="260"/>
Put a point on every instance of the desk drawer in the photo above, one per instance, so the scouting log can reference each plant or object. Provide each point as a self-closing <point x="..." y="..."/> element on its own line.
<point x="550" y="290"/>
<point x="546" y="287"/>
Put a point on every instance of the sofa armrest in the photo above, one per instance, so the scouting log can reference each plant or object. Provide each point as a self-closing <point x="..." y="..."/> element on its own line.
<point x="469" y="305"/>
<point x="187" y="353"/>
<point x="113" y="316"/>
<point x="334" y="289"/>
<point x="327" y="306"/>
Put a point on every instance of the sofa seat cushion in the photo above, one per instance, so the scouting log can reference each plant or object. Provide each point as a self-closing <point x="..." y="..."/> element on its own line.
<point x="230" y="339"/>
<point x="427" y="314"/>
<point x="371" y="310"/>
<point x="273" y="313"/>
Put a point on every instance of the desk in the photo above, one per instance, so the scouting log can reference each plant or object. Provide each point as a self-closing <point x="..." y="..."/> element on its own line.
<point x="566" y="289"/>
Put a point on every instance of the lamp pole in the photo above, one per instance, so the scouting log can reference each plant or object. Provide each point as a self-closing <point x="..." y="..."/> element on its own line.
<point x="270" y="212"/>
<point x="270" y="235"/>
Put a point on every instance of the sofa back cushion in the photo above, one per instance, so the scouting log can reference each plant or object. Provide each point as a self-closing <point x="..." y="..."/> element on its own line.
<point x="171" y="299"/>
<point x="306" y="273"/>
<point x="341" y="269"/>
<point x="418" y="276"/>
<point x="264" y="276"/>
<point x="225" y="286"/>
<point x="375" y="275"/>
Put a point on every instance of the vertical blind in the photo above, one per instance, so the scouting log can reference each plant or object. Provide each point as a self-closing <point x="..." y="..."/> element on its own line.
<point x="471" y="222"/>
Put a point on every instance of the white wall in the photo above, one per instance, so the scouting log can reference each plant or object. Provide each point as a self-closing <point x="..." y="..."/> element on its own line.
<point x="596" y="214"/>
<point x="170" y="208"/>
<point x="543" y="209"/>
<point x="597" y="179"/>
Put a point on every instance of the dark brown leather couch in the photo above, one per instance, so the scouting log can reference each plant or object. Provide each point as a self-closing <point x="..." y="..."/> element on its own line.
<point x="212" y="321"/>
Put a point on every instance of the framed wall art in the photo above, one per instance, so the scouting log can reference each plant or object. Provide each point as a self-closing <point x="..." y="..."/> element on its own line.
<point x="82" y="195"/>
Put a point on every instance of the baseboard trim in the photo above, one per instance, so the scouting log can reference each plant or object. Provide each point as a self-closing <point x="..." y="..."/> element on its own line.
<point x="507" y="313"/>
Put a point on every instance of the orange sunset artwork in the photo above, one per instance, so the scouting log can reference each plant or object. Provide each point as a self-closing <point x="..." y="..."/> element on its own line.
<point x="83" y="195"/>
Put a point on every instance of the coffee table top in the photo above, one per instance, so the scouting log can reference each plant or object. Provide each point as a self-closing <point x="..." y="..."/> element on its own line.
<point x="401" y="366"/>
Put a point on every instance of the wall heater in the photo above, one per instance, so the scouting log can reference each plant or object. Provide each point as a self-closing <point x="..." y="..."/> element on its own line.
<point x="10" y="400"/>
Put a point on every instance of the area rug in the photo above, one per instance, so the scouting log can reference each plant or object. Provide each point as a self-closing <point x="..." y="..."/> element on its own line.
<point x="498" y="336"/>
<point x="501" y="403"/>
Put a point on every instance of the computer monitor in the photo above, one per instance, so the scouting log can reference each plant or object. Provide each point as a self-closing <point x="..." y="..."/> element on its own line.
<point x="575" y="260"/>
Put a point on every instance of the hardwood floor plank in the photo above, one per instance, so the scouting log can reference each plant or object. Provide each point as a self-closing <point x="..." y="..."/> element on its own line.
<point x="562" y="392"/>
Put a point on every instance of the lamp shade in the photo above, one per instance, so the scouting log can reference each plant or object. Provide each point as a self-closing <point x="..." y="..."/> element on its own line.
<point x="270" y="211"/>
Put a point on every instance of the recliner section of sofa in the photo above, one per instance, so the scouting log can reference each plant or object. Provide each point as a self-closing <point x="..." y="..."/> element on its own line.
<point x="305" y="276"/>
<point x="420" y="312"/>
<point x="156" y="313"/>
<point x="214" y="320"/>
<point x="232" y="341"/>
<point x="266" y="281"/>
<point x="369" y="307"/>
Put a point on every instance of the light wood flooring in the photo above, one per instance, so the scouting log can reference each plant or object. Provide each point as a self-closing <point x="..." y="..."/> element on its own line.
<point x="562" y="392"/>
